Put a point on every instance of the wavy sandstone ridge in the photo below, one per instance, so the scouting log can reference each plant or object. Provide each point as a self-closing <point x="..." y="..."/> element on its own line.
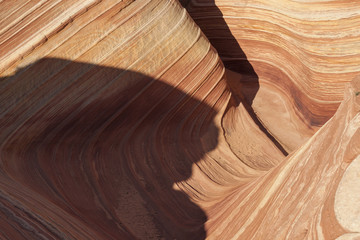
<point x="302" y="54"/>
<point x="125" y="120"/>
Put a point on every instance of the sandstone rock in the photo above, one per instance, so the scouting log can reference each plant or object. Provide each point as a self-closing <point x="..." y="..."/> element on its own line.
<point x="147" y="120"/>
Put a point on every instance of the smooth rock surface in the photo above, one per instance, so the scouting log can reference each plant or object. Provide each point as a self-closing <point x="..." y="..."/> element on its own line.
<point x="147" y="120"/>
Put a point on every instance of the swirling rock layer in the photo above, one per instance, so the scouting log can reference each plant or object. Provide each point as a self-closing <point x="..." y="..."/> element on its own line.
<point x="302" y="53"/>
<point x="147" y="120"/>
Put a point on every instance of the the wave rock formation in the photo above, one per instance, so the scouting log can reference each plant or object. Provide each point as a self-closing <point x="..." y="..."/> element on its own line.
<point x="196" y="119"/>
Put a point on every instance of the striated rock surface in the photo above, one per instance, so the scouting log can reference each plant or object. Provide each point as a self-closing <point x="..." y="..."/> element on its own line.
<point x="147" y="120"/>
<point x="302" y="198"/>
<point x="301" y="54"/>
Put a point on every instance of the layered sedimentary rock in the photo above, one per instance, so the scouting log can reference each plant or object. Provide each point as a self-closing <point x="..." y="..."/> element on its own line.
<point x="301" y="55"/>
<point x="301" y="198"/>
<point x="147" y="120"/>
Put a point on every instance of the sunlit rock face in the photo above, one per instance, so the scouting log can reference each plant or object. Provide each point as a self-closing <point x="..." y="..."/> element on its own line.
<point x="302" y="53"/>
<point x="191" y="120"/>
